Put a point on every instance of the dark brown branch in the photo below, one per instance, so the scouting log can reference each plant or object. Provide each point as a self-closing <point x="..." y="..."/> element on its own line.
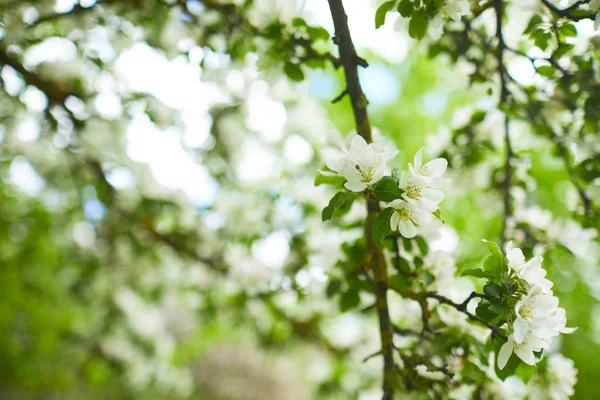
<point x="340" y="96"/>
<point x="376" y="261"/>
<point x="504" y="94"/>
<point x="462" y="307"/>
<point x="57" y="94"/>
<point x="567" y="12"/>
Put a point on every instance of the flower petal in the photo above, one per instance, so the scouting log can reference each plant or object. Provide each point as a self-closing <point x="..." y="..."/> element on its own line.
<point x="525" y="353"/>
<point x="504" y="353"/>
<point x="394" y="221"/>
<point x="407" y="229"/>
<point x="521" y="329"/>
<point x="359" y="147"/>
<point x="436" y="167"/>
<point x="354" y="186"/>
<point x="515" y="258"/>
<point x="418" y="159"/>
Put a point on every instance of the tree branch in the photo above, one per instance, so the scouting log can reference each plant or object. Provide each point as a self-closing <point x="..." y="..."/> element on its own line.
<point x="504" y="93"/>
<point x="376" y="261"/>
<point x="566" y="12"/>
<point x="462" y="307"/>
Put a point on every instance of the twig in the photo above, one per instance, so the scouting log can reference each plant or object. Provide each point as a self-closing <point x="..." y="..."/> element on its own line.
<point x="462" y="308"/>
<point x="566" y="12"/>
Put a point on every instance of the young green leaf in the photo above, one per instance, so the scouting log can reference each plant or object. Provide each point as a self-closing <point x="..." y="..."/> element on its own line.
<point x="381" y="225"/>
<point x="438" y="214"/>
<point x="336" y="181"/>
<point x="349" y="300"/>
<point x="423" y="247"/>
<point x="492" y="289"/>
<point x="293" y="71"/>
<point x="387" y="190"/>
<point x="405" y="8"/>
<point x="335" y="204"/>
<point x="382" y="12"/>
<point x="500" y="259"/>
<point x="417" y="27"/>
<point x="483" y="311"/>
<point x="525" y="372"/>
<point x="477" y="273"/>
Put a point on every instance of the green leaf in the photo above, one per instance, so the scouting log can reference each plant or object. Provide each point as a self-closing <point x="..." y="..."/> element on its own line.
<point x="382" y="12"/>
<point x="349" y="300"/>
<point x="333" y="287"/>
<point x="477" y="273"/>
<point x="525" y="372"/>
<point x="293" y="71"/>
<point x="492" y="289"/>
<point x="381" y="225"/>
<point x="562" y="50"/>
<point x="568" y="30"/>
<point x="387" y="190"/>
<point x="546" y="70"/>
<point x="407" y="243"/>
<point x="418" y="262"/>
<point x="402" y="266"/>
<point x="336" y="181"/>
<point x="428" y="277"/>
<point x="541" y="38"/>
<point x="335" y="204"/>
<point x="500" y="266"/>
<point x="417" y="27"/>
<point x="533" y="22"/>
<point x="405" y="8"/>
<point x="400" y="281"/>
<point x="317" y="33"/>
<point x="483" y="311"/>
<point x="423" y="247"/>
<point x="438" y="214"/>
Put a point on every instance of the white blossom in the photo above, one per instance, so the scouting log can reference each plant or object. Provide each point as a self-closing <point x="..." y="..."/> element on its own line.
<point x="524" y="349"/>
<point x="538" y="317"/>
<point x="407" y="216"/>
<point x="562" y="377"/>
<point x="531" y="271"/>
<point x="362" y="165"/>
<point x="416" y="188"/>
<point x="429" y="174"/>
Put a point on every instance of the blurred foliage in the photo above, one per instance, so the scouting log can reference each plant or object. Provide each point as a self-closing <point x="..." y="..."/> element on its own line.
<point x="138" y="291"/>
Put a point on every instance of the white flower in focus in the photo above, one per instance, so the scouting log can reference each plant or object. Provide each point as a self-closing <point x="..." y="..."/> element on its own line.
<point x="535" y="313"/>
<point x="524" y="350"/>
<point x="429" y="174"/>
<point x="363" y="165"/>
<point x="531" y="271"/>
<point x="562" y="377"/>
<point x="416" y="188"/>
<point x="407" y="216"/>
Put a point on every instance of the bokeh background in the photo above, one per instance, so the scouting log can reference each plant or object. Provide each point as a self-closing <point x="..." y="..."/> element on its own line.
<point x="160" y="231"/>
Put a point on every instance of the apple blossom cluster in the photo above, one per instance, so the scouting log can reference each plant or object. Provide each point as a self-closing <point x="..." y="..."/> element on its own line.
<point x="538" y="319"/>
<point x="363" y="165"/>
<point x="413" y="199"/>
<point x="421" y="195"/>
